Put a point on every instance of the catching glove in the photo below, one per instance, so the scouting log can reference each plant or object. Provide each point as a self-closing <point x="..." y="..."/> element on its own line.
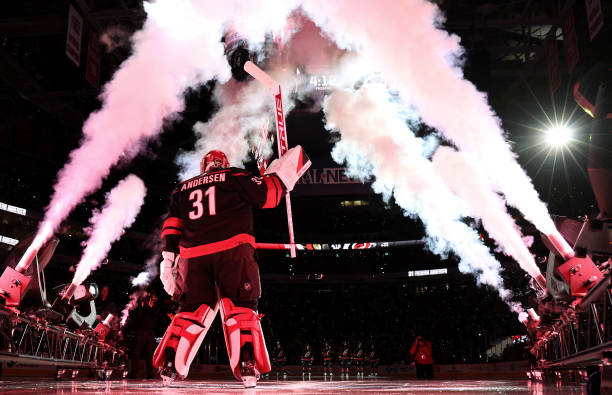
<point x="290" y="167"/>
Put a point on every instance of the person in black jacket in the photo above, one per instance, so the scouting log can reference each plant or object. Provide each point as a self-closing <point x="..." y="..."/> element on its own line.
<point x="328" y="360"/>
<point x="345" y="360"/>
<point x="142" y="322"/>
<point x="358" y="358"/>
<point x="279" y="359"/>
<point x="373" y="360"/>
<point x="307" y="360"/>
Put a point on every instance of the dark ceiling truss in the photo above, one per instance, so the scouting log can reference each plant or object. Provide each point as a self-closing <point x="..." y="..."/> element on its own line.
<point x="510" y="32"/>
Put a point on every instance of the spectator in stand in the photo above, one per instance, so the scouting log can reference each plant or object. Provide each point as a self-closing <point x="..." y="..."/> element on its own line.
<point x="104" y="304"/>
<point x="421" y="352"/>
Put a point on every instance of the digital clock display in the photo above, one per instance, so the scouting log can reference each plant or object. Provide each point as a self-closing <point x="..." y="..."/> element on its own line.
<point x="322" y="81"/>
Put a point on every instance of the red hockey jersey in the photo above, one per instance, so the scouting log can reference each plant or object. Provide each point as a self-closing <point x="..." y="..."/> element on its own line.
<point x="422" y="351"/>
<point x="213" y="212"/>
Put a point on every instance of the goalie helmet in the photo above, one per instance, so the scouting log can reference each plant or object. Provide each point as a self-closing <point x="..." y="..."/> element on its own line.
<point x="212" y="161"/>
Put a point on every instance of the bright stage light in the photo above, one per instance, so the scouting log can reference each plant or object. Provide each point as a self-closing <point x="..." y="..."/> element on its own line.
<point x="558" y="136"/>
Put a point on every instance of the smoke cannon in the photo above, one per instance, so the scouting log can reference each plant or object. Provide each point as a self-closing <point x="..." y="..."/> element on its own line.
<point x="103" y="328"/>
<point x="13" y="286"/>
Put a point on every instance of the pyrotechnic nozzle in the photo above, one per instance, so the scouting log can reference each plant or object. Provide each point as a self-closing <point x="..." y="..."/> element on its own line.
<point x="534" y="316"/>
<point x="108" y="320"/>
<point x="541" y="281"/>
<point x="562" y="246"/>
<point x="26" y="259"/>
<point x="69" y="292"/>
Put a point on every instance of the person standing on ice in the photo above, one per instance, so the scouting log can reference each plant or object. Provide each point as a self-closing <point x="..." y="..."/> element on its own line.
<point x="279" y="359"/>
<point x="358" y="357"/>
<point x="328" y="360"/>
<point x="307" y="360"/>
<point x="345" y="360"/>
<point x="421" y="351"/>
<point x="209" y="262"/>
<point x="373" y="360"/>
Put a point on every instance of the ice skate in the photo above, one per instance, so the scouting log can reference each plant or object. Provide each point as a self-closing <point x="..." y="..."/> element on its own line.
<point x="167" y="377"/>
<point x="167" y="372"/>
<point x="248" y="373"/>
<point x="249" y="381"/>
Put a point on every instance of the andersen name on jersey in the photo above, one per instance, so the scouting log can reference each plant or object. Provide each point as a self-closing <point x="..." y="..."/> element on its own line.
<point x="213" y="212"/>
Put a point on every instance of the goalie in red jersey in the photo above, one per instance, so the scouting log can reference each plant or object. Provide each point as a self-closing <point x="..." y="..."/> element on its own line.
<point x="209" y="262"/>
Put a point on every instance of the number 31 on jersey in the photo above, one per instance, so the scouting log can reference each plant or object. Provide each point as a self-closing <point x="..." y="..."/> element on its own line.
<point x="198" y="208"/>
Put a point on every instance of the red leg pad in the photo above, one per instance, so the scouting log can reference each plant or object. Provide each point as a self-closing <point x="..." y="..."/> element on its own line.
<point x="184" y="335"/>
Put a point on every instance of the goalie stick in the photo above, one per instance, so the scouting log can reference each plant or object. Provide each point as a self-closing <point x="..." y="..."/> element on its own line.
<point x="281" y="132"/>
<point x="258" y="149"/>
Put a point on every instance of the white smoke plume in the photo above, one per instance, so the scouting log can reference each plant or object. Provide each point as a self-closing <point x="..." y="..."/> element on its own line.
<point x="308" y="47"/>
<point x="152" y="264"/>
<point x="144" y="278"/>
<point x="151" y="271"/>
<point x="119" y="212"/>
<point x="244" y="109"/>
<point x="178" y="47"/>
<point x="131" y="304"/>
<point x="247" y="106"/>
<point x="375" y="141"/>
<point x="403" y="41"/>
<point x="466" y="180"/>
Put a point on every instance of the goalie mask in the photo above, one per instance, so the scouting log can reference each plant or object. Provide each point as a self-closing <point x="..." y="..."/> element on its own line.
<point x="212" y="161"/>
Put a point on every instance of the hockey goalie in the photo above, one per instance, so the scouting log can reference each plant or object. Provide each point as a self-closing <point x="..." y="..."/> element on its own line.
<point x="209" y="263"/>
